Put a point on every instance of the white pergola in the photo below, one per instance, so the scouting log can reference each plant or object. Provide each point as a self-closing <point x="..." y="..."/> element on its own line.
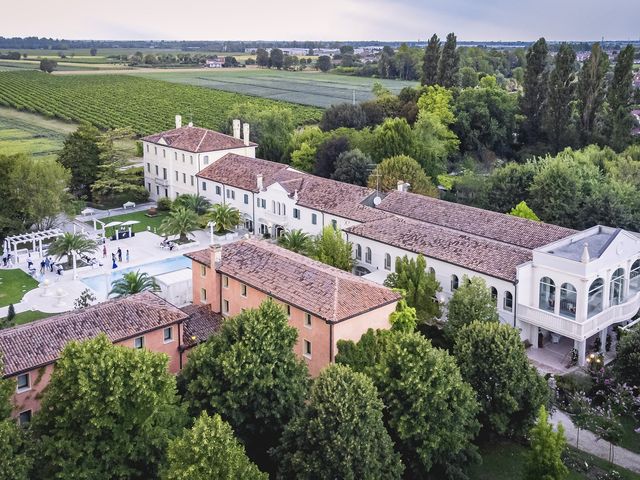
<point x="11" y="243"/>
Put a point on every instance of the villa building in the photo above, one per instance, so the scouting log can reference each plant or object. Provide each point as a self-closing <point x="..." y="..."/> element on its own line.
<point x="323" y="303"/>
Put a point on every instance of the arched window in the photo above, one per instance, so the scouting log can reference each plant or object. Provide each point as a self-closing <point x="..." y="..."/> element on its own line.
<point x="616" y="288"/>
<point x="596" y="295"/>
<point x="547" y="299"/>
<point x="494" y="295"/>
<point x="508" y="301"/>
<point x="432" y="271"/>
<point x="358" y="252"/>
<point x="454" y="283"/>
<point x="634" y="277"/>
<point x="568" y="300"/>
<point x="367" y="255"/>
<point x="387" y="261"/>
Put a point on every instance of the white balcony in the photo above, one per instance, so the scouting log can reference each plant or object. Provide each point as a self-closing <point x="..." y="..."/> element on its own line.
<point x="580" y="330"/>
<point x="275" y="218"/>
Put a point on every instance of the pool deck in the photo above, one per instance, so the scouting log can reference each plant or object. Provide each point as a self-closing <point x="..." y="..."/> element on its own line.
<point x="62" y="291"/>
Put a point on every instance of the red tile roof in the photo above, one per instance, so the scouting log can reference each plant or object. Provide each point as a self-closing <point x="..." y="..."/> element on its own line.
<point x="39" y="343"/>
<point x="196" y="140"/>
<point x="485" y="223"/>
<point x="323" y="291"/>
<point x="201" y="324"/>
<point x="475" y="253"/>
<point x="241" y="172"/>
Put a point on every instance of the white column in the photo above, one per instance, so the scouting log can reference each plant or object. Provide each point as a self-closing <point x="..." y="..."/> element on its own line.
<point x="75" y="273"/>
<point x="606" y="303"/>
<point x="582" y="299"/>
<point x="603" y="339"/>
<point x="581" y="346"/>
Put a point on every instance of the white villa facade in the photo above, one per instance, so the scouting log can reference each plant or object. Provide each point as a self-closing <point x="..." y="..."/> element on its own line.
<point x="544" y="279"/>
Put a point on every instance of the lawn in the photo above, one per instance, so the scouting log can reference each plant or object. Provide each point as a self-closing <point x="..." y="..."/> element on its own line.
<point x="505" y="461"/>
<point x="13" y="285"/>
<point x="630" y="439"/>
<point x="152" y="222"/>
<point x="29" y="316"/>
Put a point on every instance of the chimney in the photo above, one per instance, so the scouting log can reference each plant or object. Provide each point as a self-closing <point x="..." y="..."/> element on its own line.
<point x="295" y="195"/>
<point x="259" y="180"/>
<point x="585" y="254"/>
<point x="213" y="288"/>
<point x="245" y="133"/>
<point x="178" y="121"/>
<point x="401" y="185"/>
<point x="216" y="254"/>
<point x="236" y="129"/>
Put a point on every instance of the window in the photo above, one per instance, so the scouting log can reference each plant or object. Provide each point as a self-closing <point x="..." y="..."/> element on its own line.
<point x="243" y="290"/>
<point x="634" y="277"/>
<point x="264" y="203"/>
<point x="454" y="283"/>
<point x="568" y="300"/>
<point x="183" y="158"/>
<point x="164" y="153"/>
<point x="177" y="175"/>
<point x="358" y="251"/>
<point x="307" y="349"/>
<point x="296" y="213"/>
<point x="164" y="173"/>
<point x="203" y="270"/>
<point x="494" y="295"/>
<point x="218" y="190"/>
<point x="225" y="306"/>
<point x="191" y="159"/>
<point x="138" y="342"/>
<point x="157" y="190"/>
<point x="432" y="272"/>
<point x="167" y="335"/>
<point x="547" y="297"/>
<point x="334" y="224"/>
<point x="204" y="186"/>
<point x="175" y="155"/>
<point x="367" y="255"/>
<point x="225" y="281"/>
<point x="203" y="295"/>
<point x="149" y="187"/>
<point x="288" y="308"/>
<point x="24" y="417"/>
<point x="148" y="167"/>
<point x="246" y="199"/>
<point x="23" y="382"/>
<point x="147" y="148"/>
<point x="192" y="180"/>
<point x="231" y="194"/>
<point x="155" y="150"/>
<point x="596" y="295"/>
<point x="206" y="159"/>
<point x="157" y="171"/>
<point x="184" y="178"/>
<point x="166" y="192"/>
<point x="387" y="261"/>
<point x="314" y="219"/>
<point x="616" y="288"/>
<point x="307" y="320"/>
<point x="508" y="301"/>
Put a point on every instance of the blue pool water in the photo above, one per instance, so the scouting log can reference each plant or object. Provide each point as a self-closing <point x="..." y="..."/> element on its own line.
<point x="98" y="283"/>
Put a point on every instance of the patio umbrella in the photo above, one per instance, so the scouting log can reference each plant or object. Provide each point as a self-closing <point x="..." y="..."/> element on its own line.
<point x="87" y="211"/>
<point x="128" y="223"/>
<point x="112" y="224"/>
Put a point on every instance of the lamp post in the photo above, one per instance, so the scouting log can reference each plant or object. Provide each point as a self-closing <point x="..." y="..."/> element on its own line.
<point x="211" y="225"/>
<point x="74" y="254"/>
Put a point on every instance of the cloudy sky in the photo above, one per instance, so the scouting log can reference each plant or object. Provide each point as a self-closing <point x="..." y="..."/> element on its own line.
<point x="322" y="20"/>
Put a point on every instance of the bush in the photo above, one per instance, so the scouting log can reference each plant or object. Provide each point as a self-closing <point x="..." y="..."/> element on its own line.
<point x="164" y="204"/>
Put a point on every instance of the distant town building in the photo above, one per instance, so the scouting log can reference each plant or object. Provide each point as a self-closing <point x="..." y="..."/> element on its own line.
<point x="214" y="63"/>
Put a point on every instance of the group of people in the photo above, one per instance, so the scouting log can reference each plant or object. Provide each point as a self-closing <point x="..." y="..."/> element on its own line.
<point x="116" y="256"/>
<point x="45" y="264"/>
<point x="167" y="244"/>
<point x="6" y="259"/>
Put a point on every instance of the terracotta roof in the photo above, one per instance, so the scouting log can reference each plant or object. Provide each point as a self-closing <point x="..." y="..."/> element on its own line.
<point x="475" y="253"/>
<point x="323" y="291"/>
<point x="196" y="140"/>
<point x="241" y="172"/>
<point x="485" y="223"/>
<point x="40" y="343"/>
<point x="200" y="256"/>
<point x="201" y="324"/>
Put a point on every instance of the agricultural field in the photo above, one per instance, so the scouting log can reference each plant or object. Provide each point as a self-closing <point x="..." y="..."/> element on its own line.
<point x="307" y="88"/>
<point x="108" y="101"/>
<point x="21" y="65"/>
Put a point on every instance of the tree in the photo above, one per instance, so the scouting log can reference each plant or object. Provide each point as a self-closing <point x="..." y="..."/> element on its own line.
<point x="591" y="90"/>
<point x="509" y="184"/>
<point x="225" y="217"/>
<point x="326" y="155"/>
<point x="343" y="115"/>
<point x="324" y="63"/>
<point x="85" y="299"/>
<point x="419" y="287"/>
<point x="470" y="303"/>
<point x="133" y="282"/>
<point x="180" y="221"/>
<point x="401" y="168"/>
<point x="304" y="157"/>
<point x="430" y="411"/>
<point x="196" y="203"/>
<point x="404" y="318"/>
<point x="297" y="241"/>
<point x="47" y="65"/>
<point x="209" y="450"/>
<point x="449" y="63"/>
<point x="72" y="242"/>
<point x="330" y="247"/>
<point x="11" y="315"/>
<point x="249" y="374"/>
<point x="394" y="137"/>
<point x="492" y="359"/>
<point x="562" y="83"/>
<point x="545" y="458"/>
<point x="124" y="402"/>
<point x="340" y="432"/>
<point x="431" y="61"/>
<point x="352" y="167"/>
<point x="276" y="58"/>
<point x="262" y="57"/>
<point x="93" y="52"/>
<point x="468" y="77"/>
<point x="619" y="120"/>
<point x="534" y="99"/>
<point x="628" y="358"/>
<point x="81" y="155"/>
<point x="522" y="210"/>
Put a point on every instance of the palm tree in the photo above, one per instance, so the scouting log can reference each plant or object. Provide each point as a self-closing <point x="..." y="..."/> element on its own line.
<point x="197" y="203"/>
<point x="180" y="221"/>
<point x="296" y="241"/>
<point x="133" y="282"/>
<point x="70" y="242"/>
<point x="224" y="216"/>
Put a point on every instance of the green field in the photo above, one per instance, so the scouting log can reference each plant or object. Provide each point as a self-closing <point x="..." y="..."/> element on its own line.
<point x="152" y="222"/>
<point x="21" y="65"/>
<point x="307" y="88"/>
<point x="109" y="101"/>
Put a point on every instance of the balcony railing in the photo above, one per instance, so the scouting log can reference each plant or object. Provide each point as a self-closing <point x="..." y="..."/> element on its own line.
<point x="580" y="330"/>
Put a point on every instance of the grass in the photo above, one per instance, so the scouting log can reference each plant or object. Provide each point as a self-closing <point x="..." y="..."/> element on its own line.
<point x="152" y="222"/>
<point x="13" y="285"/>
<point x="506" y="461"/>
<point x="29" y="316"/>
<point x="630" y="439"/>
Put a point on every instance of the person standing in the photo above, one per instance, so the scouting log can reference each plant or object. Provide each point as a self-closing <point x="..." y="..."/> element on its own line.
<point x="104" y="251"/>
<point x="43" y="265"/>
<point x="127" y="255"/>
<point x="47" y="263"/>
<point x="119" y="254"/>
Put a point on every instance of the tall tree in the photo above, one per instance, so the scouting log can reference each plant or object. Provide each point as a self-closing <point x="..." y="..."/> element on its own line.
<point x="393" y="137"/>
<point x="81" y="155"/>
<point x="449" y="63"/>
<point x="591" y="90"/>
<point x="534" y="99"/>
<point x="469" y="303"/>
<point x="352" y="167"/>
<point x="340" y="432"/>
<point x="343" y="115"/>
<point x="628" y="358"/>
<point x="70" y="242"/>
<point x="391" y="170"/>
<point x="562" y="83"/>
<point x="620" y="122"/>
<point x="545" y="458"/>
<point x="123" y="400"/>
<point x="276" y="58"/>
<point x="332" y="248"/>
<point x="209" y="450"/>
<point x="262" y="57"/>
<point x="430" y="61"/>
<point x="249" y="374"/>
<point x="327" y="153"/>
<point x="430" y="410"/>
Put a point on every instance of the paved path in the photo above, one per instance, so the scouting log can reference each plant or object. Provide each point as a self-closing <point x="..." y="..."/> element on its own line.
<point x="589" y="443"/>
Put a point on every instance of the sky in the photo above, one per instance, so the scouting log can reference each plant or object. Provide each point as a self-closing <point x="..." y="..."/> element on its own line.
<point x="342" y="20"/>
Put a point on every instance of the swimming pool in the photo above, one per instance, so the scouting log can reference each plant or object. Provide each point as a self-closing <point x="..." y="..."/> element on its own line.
<point x="98" y="283"/>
